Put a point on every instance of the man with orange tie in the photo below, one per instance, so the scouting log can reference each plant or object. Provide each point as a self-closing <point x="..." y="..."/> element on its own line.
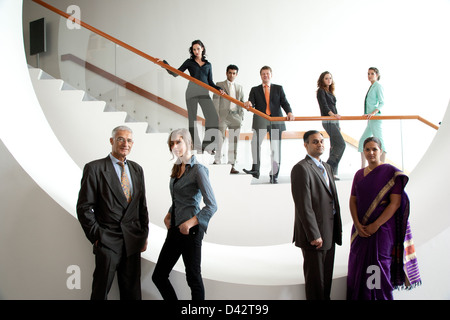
<point x="270" y="99"/>
<point x="112" y="211"/>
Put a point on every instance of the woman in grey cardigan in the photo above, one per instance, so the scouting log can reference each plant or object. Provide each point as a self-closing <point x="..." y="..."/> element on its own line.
<point x="186" y="222"/>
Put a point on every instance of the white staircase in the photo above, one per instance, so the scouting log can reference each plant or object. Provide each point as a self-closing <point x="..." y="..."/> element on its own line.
<point x="39" y="241"/>
<point x="249" y="238"/>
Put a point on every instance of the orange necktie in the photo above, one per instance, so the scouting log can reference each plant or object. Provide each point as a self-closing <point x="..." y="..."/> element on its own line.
<point x="267" y="95"/>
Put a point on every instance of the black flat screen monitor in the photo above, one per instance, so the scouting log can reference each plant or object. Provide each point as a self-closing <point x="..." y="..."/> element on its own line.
<point x="37" y="36"/>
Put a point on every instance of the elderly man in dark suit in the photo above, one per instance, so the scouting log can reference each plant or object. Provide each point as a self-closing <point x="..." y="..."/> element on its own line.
<point x="318" y="225"/>
<point x="112" y="211"/>
<point x="268" y="98"/>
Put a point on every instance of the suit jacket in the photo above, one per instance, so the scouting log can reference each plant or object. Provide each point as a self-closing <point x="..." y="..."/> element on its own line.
<point x="327" y="102"/>
<point x="223" y="105"/>
<point x="103" y="211"/>
<point x="314" y="204"/>
<point x="374" y="98"/>
<point x="277" y="101"/>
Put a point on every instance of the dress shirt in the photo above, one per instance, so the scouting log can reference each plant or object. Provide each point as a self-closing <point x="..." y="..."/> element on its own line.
<point x="232" y="92"/>
<point x="118" y="169"/>
<point x="202" y="73"/>
<point x="320" y="165"/>
<point x="322" y="169"/>
<point x="187" y="194"/>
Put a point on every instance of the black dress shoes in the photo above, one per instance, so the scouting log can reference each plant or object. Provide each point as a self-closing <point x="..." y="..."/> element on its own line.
<point x="254" y="173"/>
<point x="273" y="180"/>
<point x="211" y="152"/>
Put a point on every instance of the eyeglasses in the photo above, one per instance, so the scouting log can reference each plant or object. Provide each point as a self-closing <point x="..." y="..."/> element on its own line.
<point x="122" y="140"/>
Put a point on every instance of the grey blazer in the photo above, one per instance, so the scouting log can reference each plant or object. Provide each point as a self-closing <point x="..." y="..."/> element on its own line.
<point x="314" y="204"/>
<point x="223" y="105"/>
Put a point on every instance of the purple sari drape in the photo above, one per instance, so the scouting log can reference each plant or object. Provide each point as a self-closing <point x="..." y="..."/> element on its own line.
<point x="375" y="265"/>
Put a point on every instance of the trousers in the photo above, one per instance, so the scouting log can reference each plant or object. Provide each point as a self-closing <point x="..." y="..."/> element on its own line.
<point x="275" y="148"/>
<point x="373" y="129"/>
<point x="318" y="270"/>
<point x="128" y="268"/>
<point x="189" y="247"/>
<point x="196" y="95"/>
<point x="337" y="144"/>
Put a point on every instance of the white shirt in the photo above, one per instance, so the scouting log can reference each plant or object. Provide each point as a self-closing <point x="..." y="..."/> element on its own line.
<point x="232" y="93"/>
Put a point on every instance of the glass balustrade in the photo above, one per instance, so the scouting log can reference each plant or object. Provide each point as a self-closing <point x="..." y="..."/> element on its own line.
<point x="129" y="82"/>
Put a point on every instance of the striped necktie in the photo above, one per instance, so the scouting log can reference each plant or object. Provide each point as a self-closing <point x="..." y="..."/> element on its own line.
<point x="125" y="182"/>
<point x="324" y="173"/>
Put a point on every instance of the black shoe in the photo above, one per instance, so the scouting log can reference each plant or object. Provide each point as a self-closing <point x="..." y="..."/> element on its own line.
<point x="254" y="173"/>
<point x="208" y="147"/>
<point x="211" y="152"/>
<point x="273" y="180"/>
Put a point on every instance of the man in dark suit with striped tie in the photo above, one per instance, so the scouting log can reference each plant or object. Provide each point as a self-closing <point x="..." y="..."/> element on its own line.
<point x="112" y="211"/>
<point x="317" y="226"/>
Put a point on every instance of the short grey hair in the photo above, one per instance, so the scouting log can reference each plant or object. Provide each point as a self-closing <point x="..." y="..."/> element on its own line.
<point x="120" y="128"/>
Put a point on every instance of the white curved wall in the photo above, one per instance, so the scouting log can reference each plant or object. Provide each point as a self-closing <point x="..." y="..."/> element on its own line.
<point x="37" y="226"/>
<point x="31" y="237"/>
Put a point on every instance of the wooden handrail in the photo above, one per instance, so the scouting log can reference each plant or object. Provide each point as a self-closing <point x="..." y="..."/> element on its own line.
<point x="316" y="118"/>
<point x="128" y="85"/>
<point x="144" y="93"/>
<point x="175" y="108"/>
<point x="213" y="90"/>
<point x="146" y="56"/>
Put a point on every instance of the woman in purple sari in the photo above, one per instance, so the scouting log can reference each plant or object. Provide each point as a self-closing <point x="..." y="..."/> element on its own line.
<point x="382" y="255"/>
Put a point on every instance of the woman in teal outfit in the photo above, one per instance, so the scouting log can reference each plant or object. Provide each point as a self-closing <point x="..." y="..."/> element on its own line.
<point x="372" y="106"/>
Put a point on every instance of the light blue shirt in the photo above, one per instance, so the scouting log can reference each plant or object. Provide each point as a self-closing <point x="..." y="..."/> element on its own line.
<point x="118" y="169"/>
<point x="321" y="167"/>
<point x="187" y="193"/>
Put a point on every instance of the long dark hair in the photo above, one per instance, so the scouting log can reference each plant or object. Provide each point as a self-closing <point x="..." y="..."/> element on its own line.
<point x="321" y="84"/>
<point x="201" y="45"/>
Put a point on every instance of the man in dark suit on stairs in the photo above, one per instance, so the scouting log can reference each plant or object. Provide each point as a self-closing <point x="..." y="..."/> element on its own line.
<point x="112" y="211"/>
<point x="268" y="98"/>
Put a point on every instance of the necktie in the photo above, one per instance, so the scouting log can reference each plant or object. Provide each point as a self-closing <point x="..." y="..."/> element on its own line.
<point x="125" y="182"/>
<point x="324" y="173"/>
<point x="267" y="95"/>
<point x="232" y="91"/>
